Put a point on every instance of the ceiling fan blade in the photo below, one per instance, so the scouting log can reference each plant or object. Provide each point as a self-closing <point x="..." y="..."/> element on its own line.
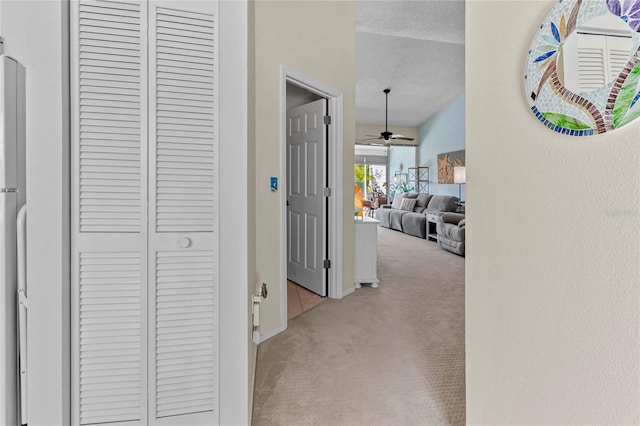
<point x="370" y="142"/>
<point x="373" y="136"/>
<point x="402" y="138"/>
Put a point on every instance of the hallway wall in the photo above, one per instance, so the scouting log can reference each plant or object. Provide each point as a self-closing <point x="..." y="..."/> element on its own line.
<point x="553" y="254"/>
<point x="316" y="38"/>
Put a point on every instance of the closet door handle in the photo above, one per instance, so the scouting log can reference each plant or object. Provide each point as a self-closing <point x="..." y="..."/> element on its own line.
<point x="184" y="242"/>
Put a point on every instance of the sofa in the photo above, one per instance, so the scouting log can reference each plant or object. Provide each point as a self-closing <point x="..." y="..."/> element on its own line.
<point x="451" y="230"/>
<point x="408" y="212"/>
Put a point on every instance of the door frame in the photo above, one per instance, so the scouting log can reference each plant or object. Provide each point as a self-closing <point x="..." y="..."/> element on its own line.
<point x="335" y="176"/>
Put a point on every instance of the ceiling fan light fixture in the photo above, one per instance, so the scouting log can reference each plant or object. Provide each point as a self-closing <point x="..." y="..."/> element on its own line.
<point x="387" y="135"/>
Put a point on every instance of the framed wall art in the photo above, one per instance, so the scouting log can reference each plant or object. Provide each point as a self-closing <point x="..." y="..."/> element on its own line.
<point x="446" y="163"/>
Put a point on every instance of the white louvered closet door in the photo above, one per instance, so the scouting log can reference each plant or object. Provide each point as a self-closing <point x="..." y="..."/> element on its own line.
<point x="144" y="227"/>
<point x="182" y="250"/>
<point x="109" y="203"/>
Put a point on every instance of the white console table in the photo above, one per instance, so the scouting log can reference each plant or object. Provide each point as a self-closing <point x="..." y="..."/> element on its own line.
<point x="366" y="251"/>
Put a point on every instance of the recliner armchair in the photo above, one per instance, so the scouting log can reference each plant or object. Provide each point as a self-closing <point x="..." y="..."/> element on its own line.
<point x="451" y="230"/>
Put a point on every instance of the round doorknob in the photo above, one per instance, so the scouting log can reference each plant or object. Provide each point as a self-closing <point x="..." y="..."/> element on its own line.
<point x="184" y="242"/>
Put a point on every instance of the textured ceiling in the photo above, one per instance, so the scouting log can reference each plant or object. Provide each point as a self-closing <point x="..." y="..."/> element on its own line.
<point x="414" y="47"/>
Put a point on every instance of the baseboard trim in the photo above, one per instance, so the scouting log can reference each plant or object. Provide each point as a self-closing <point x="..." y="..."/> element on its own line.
<point x="348" y="291"/>
<point x="272" y="333"/>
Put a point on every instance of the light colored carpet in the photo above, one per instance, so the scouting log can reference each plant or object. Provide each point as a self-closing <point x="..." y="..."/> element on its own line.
<point x="387" y="356"/>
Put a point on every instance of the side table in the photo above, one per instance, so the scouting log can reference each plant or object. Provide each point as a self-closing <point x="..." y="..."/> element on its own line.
<point x="432" y="220"/>
<point x="367" y="251"/>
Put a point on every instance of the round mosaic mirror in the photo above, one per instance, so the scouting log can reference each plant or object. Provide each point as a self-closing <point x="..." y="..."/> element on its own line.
<point x="583" y="67"/>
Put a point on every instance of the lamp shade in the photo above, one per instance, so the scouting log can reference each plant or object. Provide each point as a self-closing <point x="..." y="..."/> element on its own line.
<point x="459" y="174"/>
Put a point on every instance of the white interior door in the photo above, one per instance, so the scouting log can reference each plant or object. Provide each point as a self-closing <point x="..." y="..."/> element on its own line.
<point x="306" y="139"/>
<point x="144" y="228"/>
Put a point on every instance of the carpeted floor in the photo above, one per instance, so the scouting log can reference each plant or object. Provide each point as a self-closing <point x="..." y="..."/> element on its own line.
<point x="387" y="356"/>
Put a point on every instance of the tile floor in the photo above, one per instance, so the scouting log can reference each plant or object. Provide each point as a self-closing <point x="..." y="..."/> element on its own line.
<point x="300" y="300"/>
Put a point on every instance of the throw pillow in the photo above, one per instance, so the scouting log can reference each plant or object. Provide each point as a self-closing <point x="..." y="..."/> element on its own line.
<point x="397" y="201"/>
<point x="423" y="200"/>
<point x="408" y="204"/>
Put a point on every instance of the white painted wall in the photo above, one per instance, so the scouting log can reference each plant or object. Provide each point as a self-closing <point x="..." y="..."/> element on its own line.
<point x="316" y="38"/>
<point x="251" y="190"/>
<point x="237" y="351"/>
<point x="443" y="132"/>
<point x="553" y="254"/>
<point x="35" y="34"/>
<point x="405" y="155"/>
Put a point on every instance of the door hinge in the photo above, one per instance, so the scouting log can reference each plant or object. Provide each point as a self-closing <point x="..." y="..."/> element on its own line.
<point x="326" y="192"/>
<point x="326" y="264"/>
<point x="327" y="119"/>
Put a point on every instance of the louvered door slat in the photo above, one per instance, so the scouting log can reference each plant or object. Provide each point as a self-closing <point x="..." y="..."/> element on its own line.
<point x="101" y="135"/>
<point x="179" y="100"/>
<point x="118" y="5"/>
<point x="182" y="66"/>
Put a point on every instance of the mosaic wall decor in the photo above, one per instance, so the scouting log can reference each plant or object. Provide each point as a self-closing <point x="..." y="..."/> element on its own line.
<point x="589" y="112"/>
<point x="446" y="163"/>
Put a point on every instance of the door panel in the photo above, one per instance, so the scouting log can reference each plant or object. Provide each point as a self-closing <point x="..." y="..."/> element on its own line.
<point x="111" y="112"/>
<point x="306" y="140"/>
<point x="183" y="349"/>
<point x="311" y="250"/>
<point x="293" y="240"/>
<point x="111" y="358"/>
<point x="109" y="203"/>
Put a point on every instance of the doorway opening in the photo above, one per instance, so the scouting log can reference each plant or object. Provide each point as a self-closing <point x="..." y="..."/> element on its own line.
<point x="306" y="89"/>
<point x="371" y="172"/>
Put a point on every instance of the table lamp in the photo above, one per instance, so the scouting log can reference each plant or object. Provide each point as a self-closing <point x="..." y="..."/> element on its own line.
<point x="459" y="177"/>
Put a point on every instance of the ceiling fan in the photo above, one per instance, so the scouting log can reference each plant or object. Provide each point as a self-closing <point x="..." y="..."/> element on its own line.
<point x="386" y="137"/>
